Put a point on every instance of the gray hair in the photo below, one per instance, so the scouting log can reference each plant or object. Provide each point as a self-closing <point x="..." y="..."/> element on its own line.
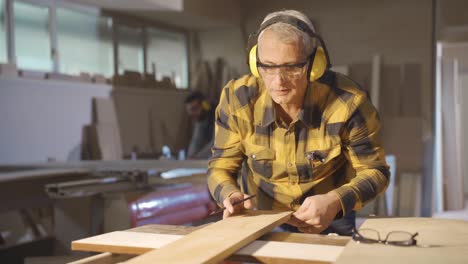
<point x="290" y="34"/>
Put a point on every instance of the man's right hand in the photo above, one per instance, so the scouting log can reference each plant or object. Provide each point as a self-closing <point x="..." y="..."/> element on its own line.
<point x="234" y="197"/>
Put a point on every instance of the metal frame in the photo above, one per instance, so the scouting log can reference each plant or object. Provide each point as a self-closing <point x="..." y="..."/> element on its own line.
<point x="53" y="38"/>
<point x="116" y="24"/>
<point x="49" y="4"/>
<point x="54" y="5"/>
<point x="10" y="33"/>
<point x="118" y="19"/>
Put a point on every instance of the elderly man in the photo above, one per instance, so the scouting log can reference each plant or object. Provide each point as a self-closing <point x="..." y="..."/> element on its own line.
<point x="298" y="135"/>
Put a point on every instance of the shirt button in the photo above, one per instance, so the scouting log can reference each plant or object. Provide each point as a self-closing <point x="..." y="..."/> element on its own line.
<point x="290" y="164"/>
<point x="253" y="156"/>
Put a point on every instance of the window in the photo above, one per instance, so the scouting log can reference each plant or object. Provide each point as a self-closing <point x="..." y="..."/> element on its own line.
<point x="3" y="37"/>
<point x="84" y="42"/>
<point x="32" y="38"/>
<point x="167" y="54"/>
<point x="130" y="41"/>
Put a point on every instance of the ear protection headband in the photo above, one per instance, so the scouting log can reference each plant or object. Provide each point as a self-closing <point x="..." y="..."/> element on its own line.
<point x="319" y="59"/>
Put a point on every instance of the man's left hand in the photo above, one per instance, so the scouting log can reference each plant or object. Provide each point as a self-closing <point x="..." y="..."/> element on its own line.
<point x="316" y="213"/>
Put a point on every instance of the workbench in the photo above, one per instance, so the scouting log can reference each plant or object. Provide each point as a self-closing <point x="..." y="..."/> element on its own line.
<point x="22" y="185"/>
<point x="439" y="241"/>
<point x="83" y="198"/>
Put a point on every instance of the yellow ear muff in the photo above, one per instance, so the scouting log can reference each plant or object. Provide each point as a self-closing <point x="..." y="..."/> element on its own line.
<point x="253" y="61"/>
<point x="206" y="105"/>
<point x="319" y="65"/>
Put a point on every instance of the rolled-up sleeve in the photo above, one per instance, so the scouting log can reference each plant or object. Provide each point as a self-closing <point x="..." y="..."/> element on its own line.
<point x="227" y="156"/>
<point x="363" y="148"/>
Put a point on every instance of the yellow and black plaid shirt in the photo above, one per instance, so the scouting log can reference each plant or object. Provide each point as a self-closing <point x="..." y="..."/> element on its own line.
<point x="333" y="144"/>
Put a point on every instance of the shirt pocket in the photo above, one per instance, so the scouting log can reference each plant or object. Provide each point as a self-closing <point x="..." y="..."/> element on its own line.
<point x="321" y="159"/>
<point x="261" y="161"/>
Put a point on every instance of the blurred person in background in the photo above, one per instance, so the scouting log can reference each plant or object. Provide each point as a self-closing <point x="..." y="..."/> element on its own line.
<point x="201" y="113"/>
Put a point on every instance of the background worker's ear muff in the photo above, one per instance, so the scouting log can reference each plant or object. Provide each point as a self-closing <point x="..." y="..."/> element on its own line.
<point x="319" y="59"/>
<point x="206" y="105"/>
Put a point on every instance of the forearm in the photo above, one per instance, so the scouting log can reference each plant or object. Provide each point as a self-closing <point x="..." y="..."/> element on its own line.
<point x="226" y="154"/>
<point x="365" y="153"/>
<point x="221" y="184"/>
<point x="367" y="185"/>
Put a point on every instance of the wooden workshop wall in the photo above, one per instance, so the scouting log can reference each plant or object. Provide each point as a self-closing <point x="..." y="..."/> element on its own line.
<point x="354" y="31"/>
<point x="452" y="20"/>
<point x="151" y="118"/>
<point x="227" y="43"/>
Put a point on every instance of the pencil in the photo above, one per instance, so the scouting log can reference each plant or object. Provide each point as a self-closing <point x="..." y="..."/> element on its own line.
<point x="233" y="204"/>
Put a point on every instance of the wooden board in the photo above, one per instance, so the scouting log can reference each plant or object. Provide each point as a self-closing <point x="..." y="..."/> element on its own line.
<point x="282" y="252"/>
<point x="103" y="258"/>
<point x="104" y="111"/>
<point x="125" y="242"/>
<point x="306" y="238"/>
<point x="272" y="236"/>
<point x="215" y="242"/>
<point x="439" y="240"/>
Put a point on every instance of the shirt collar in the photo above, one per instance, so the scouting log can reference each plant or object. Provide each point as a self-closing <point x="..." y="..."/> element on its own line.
<point x="310" y="114"/>
<point x="265" y="113"/>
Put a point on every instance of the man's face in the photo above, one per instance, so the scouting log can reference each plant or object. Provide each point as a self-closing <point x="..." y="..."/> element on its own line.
<point x="194" y="109"/>
<point x="286" y="85"/>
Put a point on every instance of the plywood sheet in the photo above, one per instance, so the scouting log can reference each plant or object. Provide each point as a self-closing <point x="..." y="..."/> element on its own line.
<point x="439" y="240"/>
<point x="408" y="148"/>
<point x="104" y="111"/>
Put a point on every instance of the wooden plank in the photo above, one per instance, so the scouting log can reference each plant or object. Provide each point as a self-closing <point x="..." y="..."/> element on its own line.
<point x="125" y="242"/>
<point x="103" y="258"/>
<point x="272" y="236"/>
<point x="411" y="89"/>
<point x="306" y="238"/>
<point x="277" y="252"/>
<point x="216" y="242"/>
<point x="104" y="242"/>
<point x="105" y="134"/>
<point x="453" y="193"/>
<point x="104" y="111"/>
<point x="166" y="229"/>
<point x="50" y="259"/>
<point x="375" y="80"/>
<point x="439" y="240"/>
